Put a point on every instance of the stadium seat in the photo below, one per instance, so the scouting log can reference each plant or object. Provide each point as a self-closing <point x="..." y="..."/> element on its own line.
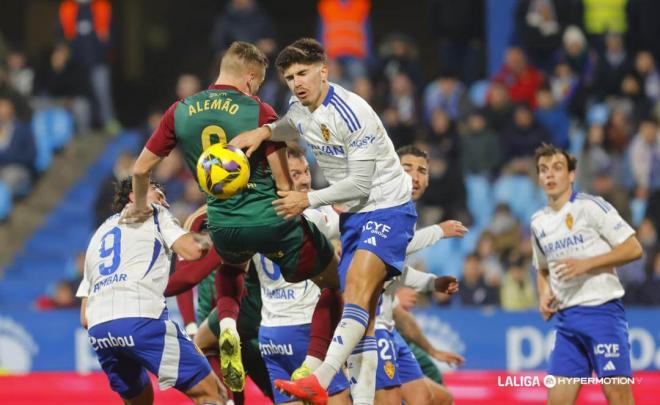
<point x="478" y="93"/>
<point x="53" y="128"/>
<point x="479" y="198"/>
<point x="5" y="201"/>
<point x="598" y="114"/>
<point x="638" y="210"/>
<point x="576" y="139"/>
<point x="521" y="194"/>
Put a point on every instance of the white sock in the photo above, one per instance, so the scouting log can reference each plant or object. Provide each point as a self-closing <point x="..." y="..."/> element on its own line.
<point x="228" y="323"/>
<point x="348" y="334"/>
<point x="312" y="362"/>
<point x="362" y="364"/>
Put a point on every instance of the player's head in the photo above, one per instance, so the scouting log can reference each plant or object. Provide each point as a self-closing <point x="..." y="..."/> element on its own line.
<point x="415" y="162"/>
<point x="243" y="61"/>
<point x="556" y="170"/>
<point x="299" y="168"/>
<point x="304" y="67"/>
<point x="124" y="194"/>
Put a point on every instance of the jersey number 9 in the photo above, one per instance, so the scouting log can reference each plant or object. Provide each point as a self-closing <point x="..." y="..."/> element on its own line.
<point x="110" y="249"/>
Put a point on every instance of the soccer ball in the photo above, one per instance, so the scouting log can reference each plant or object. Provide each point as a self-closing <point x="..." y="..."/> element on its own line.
<point x="223" y="170"/>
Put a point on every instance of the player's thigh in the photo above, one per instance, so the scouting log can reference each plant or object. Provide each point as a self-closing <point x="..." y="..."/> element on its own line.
<point x="304" y="253"/>
<point x="417" y="392"/>
<point x="618" y="393"/>
<point x="388" y="396"/>
<point x="146" y="397"/>
<point x="563" y="394"/>
<point x="365" y="276"/>
<point x="570" y="356"/>
<point x="113" y="343"/>
<point x="340" y="398"/>
<point x="439" y="393"/>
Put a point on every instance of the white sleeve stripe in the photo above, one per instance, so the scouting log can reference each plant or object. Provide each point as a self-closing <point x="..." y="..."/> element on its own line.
<point x="168" y="371"/>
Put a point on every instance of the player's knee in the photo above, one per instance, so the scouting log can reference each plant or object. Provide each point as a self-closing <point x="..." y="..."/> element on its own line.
<point x="618" y="393"/>
<point x="208" y="391"/>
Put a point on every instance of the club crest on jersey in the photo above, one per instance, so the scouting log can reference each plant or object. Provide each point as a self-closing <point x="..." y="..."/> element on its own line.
<point x="569" y="221"/>
<point x="325" y="132"/>
<point x="389" y="369"/>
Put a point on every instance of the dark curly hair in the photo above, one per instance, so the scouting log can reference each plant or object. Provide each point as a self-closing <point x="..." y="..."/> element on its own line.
<point x="305" y="51"/>
<point x="123" y="188"/>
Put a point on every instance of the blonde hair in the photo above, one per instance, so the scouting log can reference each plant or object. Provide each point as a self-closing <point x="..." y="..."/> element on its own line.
<point x="242" y="56"/>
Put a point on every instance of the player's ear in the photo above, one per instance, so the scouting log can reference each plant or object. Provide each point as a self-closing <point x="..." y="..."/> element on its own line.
<point x="131" y="197"/>
<point x="324" y="72"/>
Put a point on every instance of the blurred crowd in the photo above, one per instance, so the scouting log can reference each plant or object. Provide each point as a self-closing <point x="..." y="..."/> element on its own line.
<point x="581" y="74"/>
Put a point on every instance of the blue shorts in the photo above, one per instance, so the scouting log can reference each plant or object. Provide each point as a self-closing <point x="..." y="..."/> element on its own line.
<point x="385" y="232"/>
<point x="283" y="349"/>
<point x="591" y="339"/>
<point x="396" y="363"/>
<point x="127" y="347"/>
<point x="409" y="369"/>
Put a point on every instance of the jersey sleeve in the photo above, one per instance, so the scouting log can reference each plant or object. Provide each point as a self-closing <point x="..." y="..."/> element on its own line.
<point x="539" y="260"/>
<point x="163" y="139"/>
<point x="168" y="226"/>
<point x="424" y="238"/>
<point x="417" y="280"/>
<point x="607" y="222"/>
<point x="363" y="128"/>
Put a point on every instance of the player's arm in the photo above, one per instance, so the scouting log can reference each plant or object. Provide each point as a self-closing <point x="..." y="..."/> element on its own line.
<point x="188" y="274"/>
<point x="83" y="316"/>
<point x="83" y="292"/>
<point x="547" y="303"/>
<point x="430" y="235"/>
<point x="281" y="130"/>
<point x="424" y="282"/>
<point x="159" y="145"/>
<point x="192" y="246"/>
<point x="410" y="329"/>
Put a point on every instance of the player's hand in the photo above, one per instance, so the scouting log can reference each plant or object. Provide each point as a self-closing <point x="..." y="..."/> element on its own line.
<point x="132" y="215"/>
<point x="453" y="229"/>
<point x="548" y="305"/>
<point x="453" y="359"/>
<point x="251" y="140"/>
<point x="446" y="284"/>
<point x="292" y="203"/>
<point x="570" y="268"/>
<point x="407" y="297"/>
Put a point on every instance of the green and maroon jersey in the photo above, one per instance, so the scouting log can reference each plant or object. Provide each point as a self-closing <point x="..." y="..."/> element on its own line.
<point x="217" y="115"/>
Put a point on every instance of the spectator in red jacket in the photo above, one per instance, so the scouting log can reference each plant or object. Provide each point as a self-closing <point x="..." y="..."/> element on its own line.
<point x="521" y="79"/>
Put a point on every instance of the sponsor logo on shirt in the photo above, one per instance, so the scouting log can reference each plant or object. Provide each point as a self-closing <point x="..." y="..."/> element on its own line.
<point x="271" y="348"/>
<point x="115" y="278"/>
<point x="111" y="341"/>
<point x="363" y="142"/>
<point x="563" y="243"/>
<point x="330" y="150"/>
<point x="279" y="293"/>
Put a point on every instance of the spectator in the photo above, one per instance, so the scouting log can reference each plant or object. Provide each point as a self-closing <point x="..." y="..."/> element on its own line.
<point x="633" y="100"/>
<point x="567" y="90"/>
<point x="521" y="79"/>
<point x="62" y="82"/>
<point x="553" y="116"/>
<point x="594" y="157"/>
<point x="644" y="155"/>
<point x="489" y="258"/>
<point x="498" y="110"/>
<point x="618" y="130"/>
<point x="575" y="52"/>
<point x="603" y="184"/>
<point x="346" y="34"/>
<point x="517" y="292"/>
<point x="505" y="229"/>
<point x="191" y="199"/>
<point x="443" y="136"/>
<point x="646" y="69"/>
<point x="363" y="88"/>
<point x="21" y="75"/>
<point x="479" y="147"/>
<point x="63" y="297"/>
<point x="21" y="104"/>
<point x="243" y="20"/>
<point x="524" y="134"/>
<point x="601" y="17"/>
<point x="401" y="114"/>
<point x="458" y="27"/>
<point x="474" y="291"/>
<point x="186" y="85"/>
<point x="399" y="54"/>
<point x="445" y="93"/>
<point x="538" y="28"/>
<point x="86" y="26"/>
<point x="17" y="150"/>
<point x="647" y="293"/>
<point x="611" y="68"/>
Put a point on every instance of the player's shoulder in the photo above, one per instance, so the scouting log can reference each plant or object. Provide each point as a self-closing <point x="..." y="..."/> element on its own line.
<point x="347" y="98"/>
<point x="538" y="216"/>
<point x="591" y="202"/>
<point x="347" y="106"/>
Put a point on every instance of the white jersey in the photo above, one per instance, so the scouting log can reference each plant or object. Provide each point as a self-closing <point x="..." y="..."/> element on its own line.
<point x="127" y="267"/>
<point x="415" y="279"/>
<point x="585" y="226"/>
<point x="345" y="128"/>
<point x="283" y="303"/>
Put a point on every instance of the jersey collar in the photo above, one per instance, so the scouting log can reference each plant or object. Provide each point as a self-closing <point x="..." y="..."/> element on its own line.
<point x="223" y="87"/>
<point x="573" y="195"/>
<point x="328" y="97"/>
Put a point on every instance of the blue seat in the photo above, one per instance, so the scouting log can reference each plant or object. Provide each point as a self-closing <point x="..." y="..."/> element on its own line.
<point x="638" y="210"/>
<point x="598" y="114"/>
<point x="41" y="133"/>
<point x="478" y="93"/>
<point x="479" y="198"/>
<point x="5" y="201"/>
<point x="576" y="139"/>
<point x="520" y="194"/>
